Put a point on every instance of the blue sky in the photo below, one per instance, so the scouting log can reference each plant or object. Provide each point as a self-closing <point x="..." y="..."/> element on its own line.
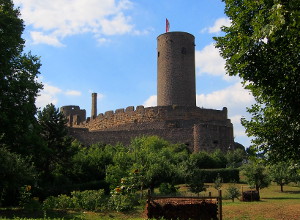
<point x="109" y="47"/>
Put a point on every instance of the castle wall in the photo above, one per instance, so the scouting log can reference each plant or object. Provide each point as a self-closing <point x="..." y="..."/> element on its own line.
<point x="75" y="115"/>
<point x="210" y="136"/>
<point x="182" y="135"/>
<point x="161" y="116"/>
<point x="176" y="69"/>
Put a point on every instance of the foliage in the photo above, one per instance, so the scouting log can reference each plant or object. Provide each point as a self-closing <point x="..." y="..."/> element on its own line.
<point x="235" y="158"/>
<point x="155" y="159"/>
<point x="15" y="171"/>
<point x="227" y="175"/>
<point x="122" y="201"/>
<point x="27" y="201"/>
<point x="232" y="192"/>
<point x="87" y="200"/>
<point x="256" y="175"/>
<point x="196" y="180"/>
<point x="56" y="150"/>
<point x="262" y="47"/>
<point x="282" y="174"/>
<point x="18" y="83"/>
<point x="167" y="189"/>
<point x="202" y="160"/>
<point x="218" y="182"/>
<point x="89" y="163"/>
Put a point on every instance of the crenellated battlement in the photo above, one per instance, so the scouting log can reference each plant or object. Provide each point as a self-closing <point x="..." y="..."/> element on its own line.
<point x="127" y="116"/>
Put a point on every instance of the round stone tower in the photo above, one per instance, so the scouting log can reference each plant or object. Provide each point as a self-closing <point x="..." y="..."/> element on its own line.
<point x="176" y="69"/>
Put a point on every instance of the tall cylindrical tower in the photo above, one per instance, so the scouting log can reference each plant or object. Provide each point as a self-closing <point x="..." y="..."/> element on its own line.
<point x="176" y="69"/>
<point x="94" y="106"/>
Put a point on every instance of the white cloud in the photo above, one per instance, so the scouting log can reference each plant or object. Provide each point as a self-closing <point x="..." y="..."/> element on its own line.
<point x="209" y="61"/>
<point x="216" y="28"/>
<point x="40" y="38"/>
<point x="73" y="93"/>
<point x="48" y="95"/>
<point x="236" y="99"/>
<point x="151" y="101"/>
<point x="51" y="94"/>
<point x="53" y="20"/>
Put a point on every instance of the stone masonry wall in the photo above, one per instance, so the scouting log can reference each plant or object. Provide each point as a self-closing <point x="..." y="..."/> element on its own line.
<point x="174" y="135"/>
<point x="176" y="69"/>
<point x="162" y="116"/>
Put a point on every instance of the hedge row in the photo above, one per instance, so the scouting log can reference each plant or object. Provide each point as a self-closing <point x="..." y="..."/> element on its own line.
<point x="228" y="175"/>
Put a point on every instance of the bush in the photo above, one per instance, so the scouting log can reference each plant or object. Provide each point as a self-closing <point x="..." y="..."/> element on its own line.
<point x="232" y="192"/>
<point x="122" y="202"/>
<point x="167" y="189"/>
<point x="88" y="200"/>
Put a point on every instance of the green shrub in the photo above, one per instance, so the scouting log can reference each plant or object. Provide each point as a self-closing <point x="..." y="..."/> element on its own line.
<point x="64" y="202"/>
<point x="123" y="202"/>
<point x="167" y="189"/>
<point x="232" y="192"/>
<point x="87" y="200"/>
<point x="218" y="182"/>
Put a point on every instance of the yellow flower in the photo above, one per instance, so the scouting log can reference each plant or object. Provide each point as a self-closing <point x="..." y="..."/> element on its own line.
<point x="118" y="189"/>
<point x="28" y="188"/>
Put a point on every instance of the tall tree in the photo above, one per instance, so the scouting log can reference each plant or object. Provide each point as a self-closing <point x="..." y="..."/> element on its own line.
<point x="56" y="143"/>
<point x="262" y="47"/>
<point x="18" y="81"/>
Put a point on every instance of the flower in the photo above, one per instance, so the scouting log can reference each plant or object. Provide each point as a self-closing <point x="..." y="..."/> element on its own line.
<point x="28" y="188"/>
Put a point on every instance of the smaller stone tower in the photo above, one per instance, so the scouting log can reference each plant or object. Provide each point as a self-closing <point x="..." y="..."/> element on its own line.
<point x="94" y="106"/>
<point x="176" y="69"/>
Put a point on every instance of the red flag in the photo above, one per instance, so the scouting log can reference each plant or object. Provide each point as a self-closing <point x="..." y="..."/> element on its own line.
<point x="167" y="25"/>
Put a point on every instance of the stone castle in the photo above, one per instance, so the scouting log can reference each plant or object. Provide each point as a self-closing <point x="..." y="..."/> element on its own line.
<point x="176" y="117"/>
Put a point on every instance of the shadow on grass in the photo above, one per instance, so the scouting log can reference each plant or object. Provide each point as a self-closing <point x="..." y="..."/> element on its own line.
<point x="12" y="213"/>
<point x="281" y="198"/>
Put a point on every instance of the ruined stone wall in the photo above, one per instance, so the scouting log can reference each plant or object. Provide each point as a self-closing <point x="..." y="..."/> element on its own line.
<point x="211" y="136"/>
<point x="174" y="135"/>
<point x="162" y="116"/>
<point x="74" y="114"/>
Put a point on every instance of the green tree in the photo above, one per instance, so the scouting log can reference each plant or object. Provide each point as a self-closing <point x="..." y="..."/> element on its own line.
<point x="282" y="174"/>
<point x="18" y="83"/>
<point x="256" y="175"/>
<point x="90" y="163"/>
<point x="261" y="46"/>
<point x="233" y="192"/>
<point x="56" y="152"/>
<point x="196" y="180"/>
<point x="15" y="171"/>
<point x="154" y="160"/>
<point x="235" y="158"/>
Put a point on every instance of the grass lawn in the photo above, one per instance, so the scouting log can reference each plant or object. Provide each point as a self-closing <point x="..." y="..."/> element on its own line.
<point x="274" y="205"/>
